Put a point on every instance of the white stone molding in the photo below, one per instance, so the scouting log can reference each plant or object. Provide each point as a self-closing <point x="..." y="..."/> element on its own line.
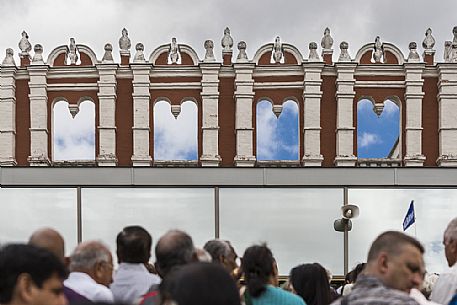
<point x="107" y="115"/>
<point x="345" y="118"/>
<point x="285" y="47"/>
<point x="413" y="103"/>
<point x="387" y="47"/>
<point x="312" y="95"/>
<point x="39" y="133"/>
<point x="244" y="97"/>
<point x="55" y="53"/>
<point x="447" y="99"/>
<point x="183" y="48"/>
<point x="210" y="109"/>
<point x="89" y="52"/>
<point x="8" y="116"/>
<point x="141" y="105"/>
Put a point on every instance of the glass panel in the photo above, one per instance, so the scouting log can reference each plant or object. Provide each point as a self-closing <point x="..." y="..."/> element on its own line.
<point x="23" y="210"/>
<point x="296" y="223"/>
<point x="385" y="209"/>
<point x="106" y="211"/>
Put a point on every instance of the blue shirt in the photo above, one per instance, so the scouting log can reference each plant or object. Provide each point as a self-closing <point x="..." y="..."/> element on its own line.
<point x="277" y="296"/>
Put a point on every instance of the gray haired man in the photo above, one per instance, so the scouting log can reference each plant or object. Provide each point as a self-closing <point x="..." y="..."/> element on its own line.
<point x="91" y="271"/>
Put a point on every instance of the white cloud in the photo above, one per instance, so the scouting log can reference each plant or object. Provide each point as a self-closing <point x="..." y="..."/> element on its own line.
<point x="175" y="139"/>
<point x="390" y="108"/>
<point x="367" y="139"/>
<point x="74" y="139"/>
<point x="267" y="137"/>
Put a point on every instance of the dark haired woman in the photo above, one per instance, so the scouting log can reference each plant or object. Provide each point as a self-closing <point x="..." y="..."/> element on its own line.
<point x="310" y="281"/>
<point x="260" y="273"/>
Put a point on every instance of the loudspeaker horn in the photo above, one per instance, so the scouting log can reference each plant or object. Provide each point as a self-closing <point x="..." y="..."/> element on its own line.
<point x="350" y="211"/>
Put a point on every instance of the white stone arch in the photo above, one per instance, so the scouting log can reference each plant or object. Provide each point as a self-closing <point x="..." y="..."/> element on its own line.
<point x="183" y="48"/>
<point x="291" y="98"/>
<point x="264" y="98"/>
<point x="387" y="47"/>
<point x="286" y="47"/>
<point x="55" y="53"/>
<point x="89" y="52"/>
<point x="189" y="99"/>
<point x="160" y="99"/>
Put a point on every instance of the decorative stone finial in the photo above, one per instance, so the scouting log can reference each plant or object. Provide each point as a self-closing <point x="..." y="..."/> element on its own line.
<point x="38" y="56"/>
<point x="108" y="56"/>
<point x="74" y="109"/>
<point x="344" y="55"/>
<point x="242" y="56"/>
<point x="277" y="50"/>
<point x="313" y="56"/>
<point x="454" y="31"/>
<point x="209" y="55"/>
<point x="9" y="59"/>
<point x="73" y="56"/>
<point x="447" y="50"/>
<point x="24" y="45"/>
<point x="327" y="40"/>
<point x="173" y="53"/>
<point x="429" y="41"/>
<point x="139" y="55"/>
<point x="453" y="53"/>
<point x="124" y="42"/>
<point x="378" y="50"/>
<point x="413" y="55"/>
<point x="227" y="41"/>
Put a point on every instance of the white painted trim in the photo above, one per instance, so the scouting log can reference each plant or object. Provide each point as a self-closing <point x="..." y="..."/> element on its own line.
<point x="262" y="50"/>
<point x="55" y="53"/>
<point x="89" y="52"/>
<point x="387" y="47"/>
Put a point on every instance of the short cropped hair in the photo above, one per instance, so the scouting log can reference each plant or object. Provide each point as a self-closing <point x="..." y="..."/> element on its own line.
<point x="217" y="248"/>
<point x="451" y="231"/>
<point x="134" y="245"/>
<point x="17" y="259"/>
<point x="87" y="254"/>
<point x="173" y="249"/>
<point x="392" y="242"/>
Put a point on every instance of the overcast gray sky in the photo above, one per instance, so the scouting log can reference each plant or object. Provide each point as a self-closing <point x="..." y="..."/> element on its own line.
<point x="94" y="23"/>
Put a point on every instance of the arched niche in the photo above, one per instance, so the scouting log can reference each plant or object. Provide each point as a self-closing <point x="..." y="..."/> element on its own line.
<point x="393" y="55"/>
<point x="86" y="55"/>
<point x="159" y="57"/>
<point x="277" y="132"/>
<point x="379" y="134"/>
<point x="73" y="129"/>
<point x="292" y="55"/>
<point x="58" y="56"/>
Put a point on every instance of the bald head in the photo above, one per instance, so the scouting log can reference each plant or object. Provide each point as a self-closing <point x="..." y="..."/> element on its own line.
<point x="173" y="249"/>
<point x="50" y="240"/>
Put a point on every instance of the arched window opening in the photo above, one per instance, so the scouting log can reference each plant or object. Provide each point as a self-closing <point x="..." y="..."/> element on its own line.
<point x="73" y="131"/>
<point x="378" y="130"/>
<point x="277" y="137"/>
<point x="175" y="131"/>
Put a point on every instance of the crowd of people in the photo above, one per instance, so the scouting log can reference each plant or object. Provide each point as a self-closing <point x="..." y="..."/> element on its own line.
<point x="38" y="273"/>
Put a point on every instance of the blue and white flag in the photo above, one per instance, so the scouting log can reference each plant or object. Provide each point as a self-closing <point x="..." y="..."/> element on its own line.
<point x="410" y="217"/>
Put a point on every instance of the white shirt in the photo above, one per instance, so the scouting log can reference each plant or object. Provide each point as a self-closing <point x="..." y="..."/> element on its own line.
<point x="83" y="284"/>
<point x="445" y="286"/>
<point x="132" y="281"/>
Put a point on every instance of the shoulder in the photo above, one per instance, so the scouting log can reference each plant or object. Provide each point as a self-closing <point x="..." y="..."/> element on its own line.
<point x="102" y="293"/>
<point x="287" y="296"/>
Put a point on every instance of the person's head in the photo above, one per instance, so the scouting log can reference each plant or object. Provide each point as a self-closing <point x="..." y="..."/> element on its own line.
<point x="199" y="284"/>
<point x="450" y="242"/>
<point x="174" y="248"/>
<point x="310" y="281"/>
<point x="396" y="259"/>
<point x="259" y="269"/>
<point x="94" y="259"/>
<point x="30" y="275"/>
<point x="352" y="275"/>
<point x="50" y="240"/>
<point x="133" y="245"/>
<point x="221" y="252"/>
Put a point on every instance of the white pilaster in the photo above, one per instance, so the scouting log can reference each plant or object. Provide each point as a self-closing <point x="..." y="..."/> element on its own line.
<point x="413" y="103"/>
<point x="344" y="118"/>
<point x="312" y="95"/>
<point x="107" y="115"/>
<point x="39" y="133"/>
<point x="244" y="96"/>
<point x="8" y="116"/>
<point x="210" y="123"/>
<point x="141" y="105"/>
<point x="447" y="99"/>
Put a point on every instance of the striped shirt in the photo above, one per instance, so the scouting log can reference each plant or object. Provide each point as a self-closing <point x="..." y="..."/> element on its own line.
<point x="369" y="290"/>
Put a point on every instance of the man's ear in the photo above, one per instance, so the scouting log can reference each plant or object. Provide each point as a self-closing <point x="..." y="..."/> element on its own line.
<point x="98" y="271"/>
<point x="383" y="262"/>
<point x="24" y="288"/>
